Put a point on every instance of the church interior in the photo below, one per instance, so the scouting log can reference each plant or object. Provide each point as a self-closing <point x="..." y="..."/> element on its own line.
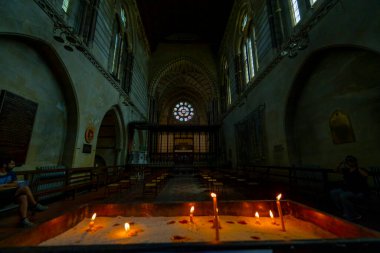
<point x="145" y="108"/>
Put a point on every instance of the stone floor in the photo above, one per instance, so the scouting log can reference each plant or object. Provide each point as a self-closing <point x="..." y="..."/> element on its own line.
<point x="180" y="187"/>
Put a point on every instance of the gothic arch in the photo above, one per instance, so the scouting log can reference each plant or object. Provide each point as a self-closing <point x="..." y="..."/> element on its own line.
<point x="59" y="70"/>
<point x="184" y="78"/>
<point x="340" y="77"/>
<point x="111" y="137"/>
<point x="244" y="8"/>
<point x="183" y="64"/>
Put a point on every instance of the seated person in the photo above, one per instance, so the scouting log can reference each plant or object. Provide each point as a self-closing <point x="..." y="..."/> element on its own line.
<point x="21" y="192"/>
<point x="355" y="187"/>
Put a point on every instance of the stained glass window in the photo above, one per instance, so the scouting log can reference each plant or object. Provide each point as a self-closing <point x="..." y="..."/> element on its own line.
<point x="244" y="23"/>
<point x="123" y="17"/>
<point x="183" y="111"/>
<point x="296" y="16"/>
<point x="65" y="5"/>
<point x="249" y="51"/>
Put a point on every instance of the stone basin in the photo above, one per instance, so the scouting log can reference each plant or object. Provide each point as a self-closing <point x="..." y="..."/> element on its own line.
<point x="341" y="235"/>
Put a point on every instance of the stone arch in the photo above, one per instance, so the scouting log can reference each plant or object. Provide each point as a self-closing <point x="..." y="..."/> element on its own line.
<point x="69" y="126"/>
<point x="184" y="78"/>
<point x="336" y="78"/>
<point x="111" y="137"/>
<point x="180" y="64"/>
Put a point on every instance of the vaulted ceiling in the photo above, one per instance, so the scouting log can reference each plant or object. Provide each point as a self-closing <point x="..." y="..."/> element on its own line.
<point x="185" y="77"/>
<point x="183" y="80"/>
<point x="185" y="21"/>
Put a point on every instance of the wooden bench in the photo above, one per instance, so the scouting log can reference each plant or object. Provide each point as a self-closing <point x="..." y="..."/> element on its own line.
<point x="289" y="180"/>
<point x="56" y="181"/>
<point x="81" y="179"/>
<point x="112" y="176"/>
<point x="48" y="182"/>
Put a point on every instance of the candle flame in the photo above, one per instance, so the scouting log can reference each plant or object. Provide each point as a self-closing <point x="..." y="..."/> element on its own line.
<point x="93" y="217"/>
<point x="192" y="209"/>
<point x="127" y="226"/>
<point x="271" y="214"/>
<point x="279" y="196"/>
<point x="257" y="215"/>
<point x="213" y="195"/>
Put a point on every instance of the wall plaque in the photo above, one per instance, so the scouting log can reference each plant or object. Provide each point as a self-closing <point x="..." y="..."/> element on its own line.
<point x="16" y="125"/>
<point x="87" y="148"/>
<point x="341" y="128"/>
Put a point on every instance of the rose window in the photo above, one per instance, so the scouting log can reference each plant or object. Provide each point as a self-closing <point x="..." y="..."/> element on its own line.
<point x="183" y="111"/>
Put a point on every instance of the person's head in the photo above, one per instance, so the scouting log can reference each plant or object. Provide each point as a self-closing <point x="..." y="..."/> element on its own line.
<point x="7" y="164"/>
<point x="11" y="164"/>
<point x="351" y="161"/>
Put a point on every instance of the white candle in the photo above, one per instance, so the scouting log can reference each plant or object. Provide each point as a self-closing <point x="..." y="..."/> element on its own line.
<point x="216" y="219"/>
<point x="280" y="212"/>
<point x="257" y="217"/>
<point x="127" y="226"/>
<point x="191" y="214"/>
<point x="271" y="216"/>
<point x="92" y="222"/>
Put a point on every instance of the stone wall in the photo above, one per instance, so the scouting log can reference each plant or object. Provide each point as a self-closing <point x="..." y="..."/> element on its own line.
<point x="336" y="71"/>
<point x="72" y="92"/>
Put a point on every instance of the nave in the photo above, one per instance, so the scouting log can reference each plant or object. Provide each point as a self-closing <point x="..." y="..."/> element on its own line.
<point x="180" y="187"/>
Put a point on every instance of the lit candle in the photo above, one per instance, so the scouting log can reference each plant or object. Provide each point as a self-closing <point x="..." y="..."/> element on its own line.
<point x="191" y="214"/>
<point x="127" y="227"/>
<point x="280" y="211"/>
<point x="216" y="220"/>
<point x="257" y="217"/>
<point x="92" y="222"/>
<point x="271" y="216"/>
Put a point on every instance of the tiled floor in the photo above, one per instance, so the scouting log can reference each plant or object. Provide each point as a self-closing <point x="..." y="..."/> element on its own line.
<point x="181" y="187"/>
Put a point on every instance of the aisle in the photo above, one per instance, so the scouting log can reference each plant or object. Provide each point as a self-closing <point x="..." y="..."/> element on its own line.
<point x="183" y="188"/>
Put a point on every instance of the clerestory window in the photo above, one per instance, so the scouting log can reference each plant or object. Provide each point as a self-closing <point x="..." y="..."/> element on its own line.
<point x="294" y="12"/>
<point x="248" y="50"/>
<point x="65" y="5"/>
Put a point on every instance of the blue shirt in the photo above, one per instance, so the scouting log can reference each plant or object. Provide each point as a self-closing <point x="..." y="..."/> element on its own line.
<point x="8" y="178"/>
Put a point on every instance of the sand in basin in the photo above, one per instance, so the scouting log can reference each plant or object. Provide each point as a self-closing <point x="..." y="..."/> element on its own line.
<point x="110" y="230"/>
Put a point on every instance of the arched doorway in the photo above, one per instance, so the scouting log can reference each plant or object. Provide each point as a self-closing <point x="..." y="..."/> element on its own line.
<point x="344" y="80"/>
<point x="110" y="139"/>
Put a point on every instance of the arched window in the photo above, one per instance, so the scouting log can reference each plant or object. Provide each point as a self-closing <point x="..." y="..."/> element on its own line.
<point x="248" y="50"/>
<point x="226" y="98"/>
<point x="183" y="111"/>
<point x="126" y="57"/>
<point x="65" y="5"/>
<point x="121" y="57"/>
<point x="85" y="22"/>
<point x="294" y="12"/>
<point x="115" y="50"/>
<point x="227" y="83"/>
<point x="123" y="17"/>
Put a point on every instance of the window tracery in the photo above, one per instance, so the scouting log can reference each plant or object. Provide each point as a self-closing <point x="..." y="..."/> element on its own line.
<point x="183" y="111"/>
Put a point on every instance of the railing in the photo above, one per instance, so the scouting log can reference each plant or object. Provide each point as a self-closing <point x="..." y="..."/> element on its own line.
<point x="50" y="181"/>
<point x="315" y="181"/>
